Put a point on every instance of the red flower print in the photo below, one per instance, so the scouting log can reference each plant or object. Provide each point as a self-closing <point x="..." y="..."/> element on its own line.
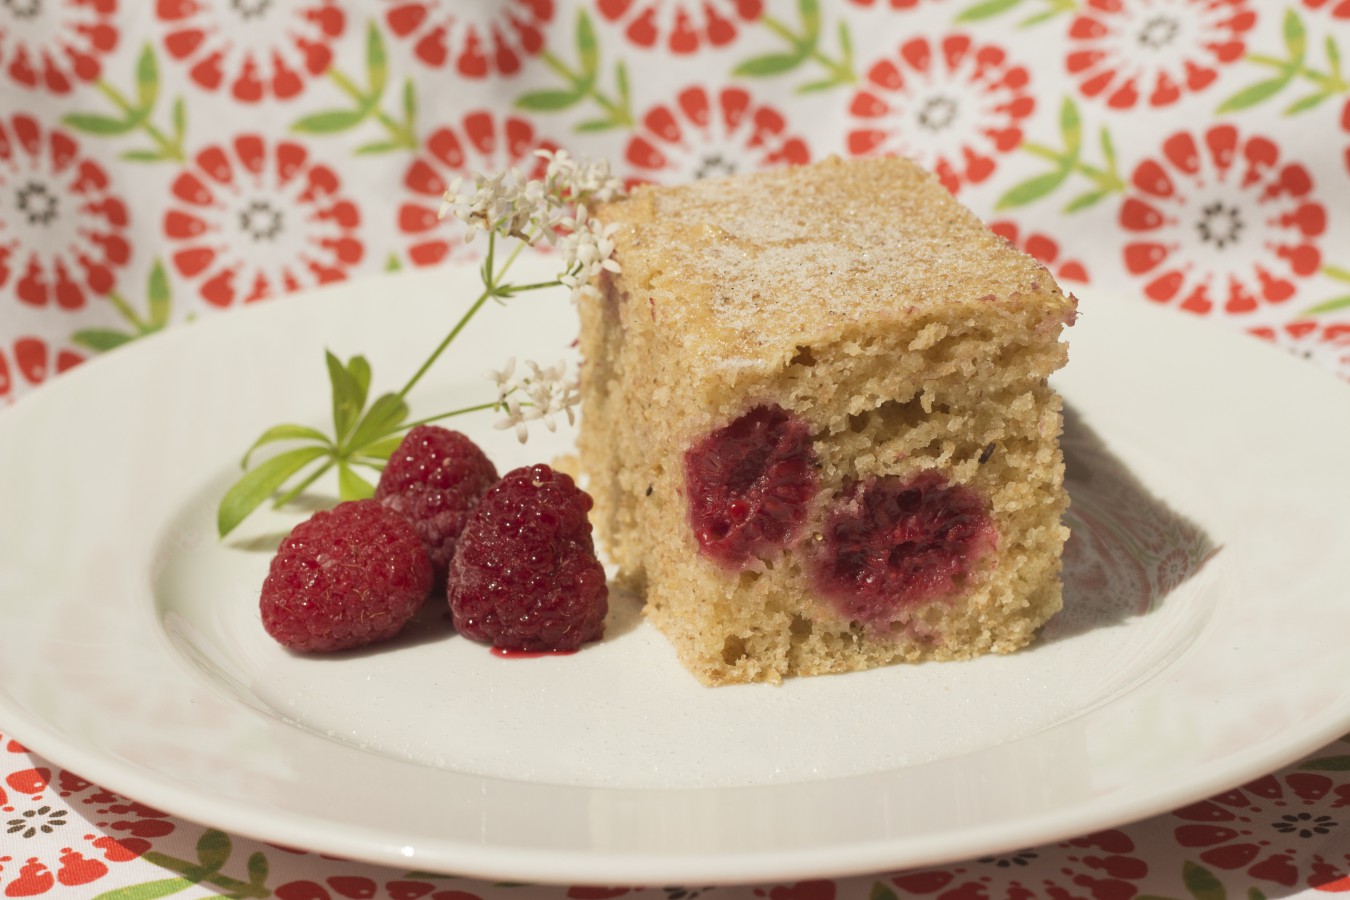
<point x="949" y="103"/>
<point x="44" y="818"/>
<point x="1044" y="249"/>
<point x="1220" y="220"/>
<point x="1345" y="122"/>
<point x="56" y="47"/>
<point x="1154" y="51"/>
<point x="35" y="361"/>
<point x="249" y="220"/>
<point x="1324" y="342"/>
<point x="704" y="134"/>
<point x="1326" y="877"/>
<point x="1100" y="866"/>
<point x="62" y="230"/>
<point x="1339" y="9"/>
<point x="482" y="143"/>
<point x="1261" y="826"/>
<point x="359" y="887"/>
<point x="478" y="38"/>
<point x="684" y="26"/>
<point x="253" y="48"/>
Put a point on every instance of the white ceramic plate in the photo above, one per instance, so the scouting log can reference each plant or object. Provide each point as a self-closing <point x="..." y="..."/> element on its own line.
<point x="1209" y="564"/>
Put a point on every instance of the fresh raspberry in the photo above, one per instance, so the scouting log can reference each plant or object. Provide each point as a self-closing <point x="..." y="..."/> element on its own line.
<point x="749" y="484"/>
<point x="525" y="576"/>
<point x="890" y="543"/>
<point x="434" y="479"/>
<point x="345" y="577"/>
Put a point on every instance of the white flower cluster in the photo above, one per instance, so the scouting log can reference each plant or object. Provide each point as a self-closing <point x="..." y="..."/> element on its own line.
<point x="539" y="394"/>
<point x="552" y="209"/>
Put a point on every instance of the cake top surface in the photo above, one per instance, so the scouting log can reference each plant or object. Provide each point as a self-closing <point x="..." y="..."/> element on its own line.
<point x="752" y="263"/>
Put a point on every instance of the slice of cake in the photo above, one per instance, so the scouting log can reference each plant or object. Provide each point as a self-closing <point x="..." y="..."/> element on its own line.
<point x="816" y="422"/>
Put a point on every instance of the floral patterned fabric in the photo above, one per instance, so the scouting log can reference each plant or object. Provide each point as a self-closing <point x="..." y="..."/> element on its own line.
<point x="163" y="161"/>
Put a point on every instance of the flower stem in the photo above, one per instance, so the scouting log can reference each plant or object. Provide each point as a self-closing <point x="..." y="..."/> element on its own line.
<point x="401" y="132"/>
<point x="619" y="113"/>
<point x="170" y="149"/>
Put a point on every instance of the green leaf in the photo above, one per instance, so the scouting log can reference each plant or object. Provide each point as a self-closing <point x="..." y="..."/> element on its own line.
<point x="383" y="418"/>
<point x="375" y="147"/>
<point x="809" y="10"/>
<point x="986" y="10"/>
<point x="381" y="450"/>
<point x="1083" y="201"/>
<point x="409" y="102"/>
<point x="101" y="340"/>
<point x="286" y="433"/>
<point x="157" y="295"/>
<point x="1201" y="882"/>
<point x="1038" y="18"/>
<point x="359" y="368"/>
<point x="393" y="263"/>
<point x="147" y="78"/>
<point x="881" y="891"/>
<point x="92" y="123"/>
<point x="591" y="126"/>
<point x="1333" y="57"/>
<point x="1254" y="94"/>
<point x="330" y="121"/>
<point x="815" y="87"/>
<point x="377" y="64"/>
<point x="1306" y="103"/>
<point x="1071" y="128"/>
<point x="213" y="849"/>
<point x="179" y="118"/>
<point x="257" y="869"/>
<point x="349" y="396"/>
<point x="1336" y="272"/>
<point x="1329" y="763"/>
<point x="147" y="890"/>
<point x="143" y="156"/>
<point x="769" y="64"/>
<point x="846" y="45"/>
<point x="588" y="51"/>
<point x="352" y="486"/>
<point x="547" y="101"/>
<point x="1108" y="149"/>
<point x="621" y="81"/>
<point x="1032" y="189"/>
<point x="249" y="492"/>
<point x="1255" y="894"/>
<point x="1295" y="38"/>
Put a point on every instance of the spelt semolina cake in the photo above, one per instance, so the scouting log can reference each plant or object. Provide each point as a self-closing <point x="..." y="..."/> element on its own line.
<point x="817" y="425"/>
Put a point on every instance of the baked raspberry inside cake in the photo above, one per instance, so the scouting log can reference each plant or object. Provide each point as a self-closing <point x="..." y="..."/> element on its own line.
<point x="817" y="425"/>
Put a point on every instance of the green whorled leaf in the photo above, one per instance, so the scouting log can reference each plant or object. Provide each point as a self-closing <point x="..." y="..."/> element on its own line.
<point x="157" y="295"/>
<point x="352" y="486"/>
<point x="93" y="123"/>
<point x="1295" y="38"/>
<point x="809" y="10"/>
<point x="377" y="63"/>
<point x="286" y="433"/>
<point x="1253" y="94"/>
<point x="1083" y="201"/>
<point x="881" y="891"/>
<point x="592" y="126"/>
<point x="1070" y="128"/>
<point x="547" y="100"/>
<point x="330" y="121"/>
<point x="1032" y="189"/>
<point x="349" y="397"/>
<point x="384" y="417"/>
<point x="143" y="156"/>
<point x="213" y="849"/>
<point x="588" y="49"/>
<point x="359" y="368"/>
<point x="1306" y="103"/>
<point x="381" y="450"/>
<point x="249" y="492"/>
<point x="769" y="64"/>
<point x="986" y="10"/>
<point x="147" y="78"/>
<point x="147" y="890"/>
<point x="1201" y="882"/>
<point x="257" y="869"/>
<point x="101" y="340"/>
<point x="1328" y="763"/>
